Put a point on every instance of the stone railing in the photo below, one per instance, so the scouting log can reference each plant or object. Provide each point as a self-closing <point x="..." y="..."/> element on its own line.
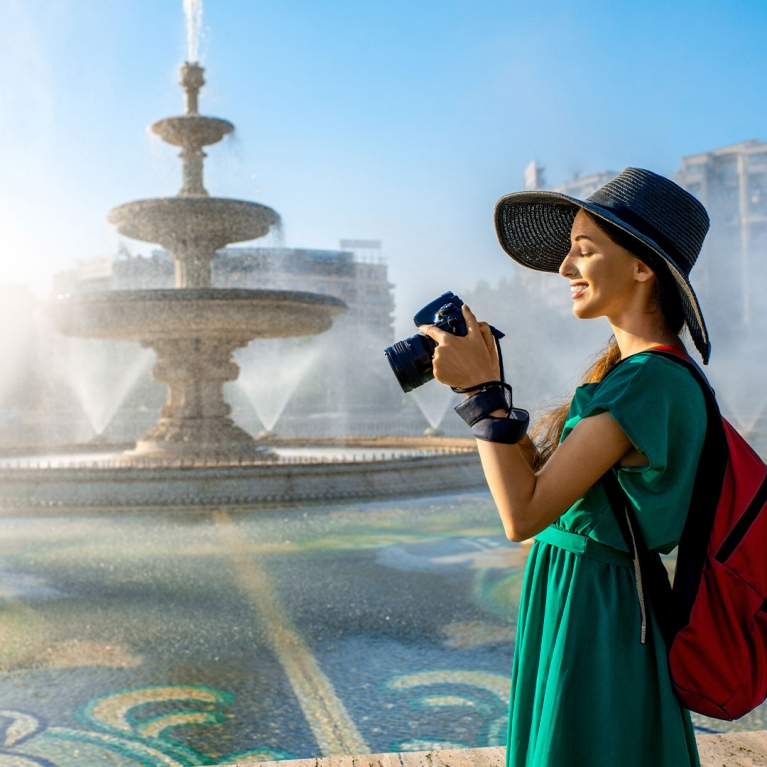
<point x="735" y="749"/>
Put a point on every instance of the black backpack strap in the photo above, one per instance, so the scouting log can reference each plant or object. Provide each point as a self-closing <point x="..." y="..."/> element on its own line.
<point x="672" y="609"/>
<point x="707" y="489"/>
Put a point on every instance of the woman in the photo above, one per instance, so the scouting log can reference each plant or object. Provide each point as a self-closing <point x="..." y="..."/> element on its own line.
<point x="585" y="691"/>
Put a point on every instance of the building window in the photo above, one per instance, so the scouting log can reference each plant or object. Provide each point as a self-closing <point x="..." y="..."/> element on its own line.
<point x="729" y="168"/>
<point x="757" y="193"/>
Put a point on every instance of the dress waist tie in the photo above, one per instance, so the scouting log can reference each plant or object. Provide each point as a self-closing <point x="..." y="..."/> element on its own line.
<point x="585" y="547"/>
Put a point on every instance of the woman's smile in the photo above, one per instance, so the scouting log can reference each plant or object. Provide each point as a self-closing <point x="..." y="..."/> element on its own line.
<point x="577" y="289"/>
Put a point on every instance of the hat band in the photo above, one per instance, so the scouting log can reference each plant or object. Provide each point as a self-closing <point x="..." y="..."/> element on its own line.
<point x="646" y="228"/>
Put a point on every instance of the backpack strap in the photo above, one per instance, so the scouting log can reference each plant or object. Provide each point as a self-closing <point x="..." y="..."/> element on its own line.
<point x="707" y="490"/>
<point x="672" y="610"/>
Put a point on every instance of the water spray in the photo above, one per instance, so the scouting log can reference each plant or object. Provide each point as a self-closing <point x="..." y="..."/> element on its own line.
<point x="193" y="14"/>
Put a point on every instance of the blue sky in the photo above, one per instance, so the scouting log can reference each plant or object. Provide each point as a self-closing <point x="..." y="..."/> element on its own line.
<point x="394" y="120"/>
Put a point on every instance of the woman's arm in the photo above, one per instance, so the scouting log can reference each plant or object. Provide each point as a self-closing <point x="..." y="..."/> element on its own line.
<point x="527" y="502"/>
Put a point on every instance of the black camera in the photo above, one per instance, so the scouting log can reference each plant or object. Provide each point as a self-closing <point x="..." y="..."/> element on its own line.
<point x="411" y="359"/>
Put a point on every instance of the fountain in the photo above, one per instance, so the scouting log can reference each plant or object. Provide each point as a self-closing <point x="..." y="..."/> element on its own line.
<point x="195" y="455"/>
<point x="194" y="329"/>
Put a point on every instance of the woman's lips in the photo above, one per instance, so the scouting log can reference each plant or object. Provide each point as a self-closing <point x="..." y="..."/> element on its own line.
<point x="577" y="289"/>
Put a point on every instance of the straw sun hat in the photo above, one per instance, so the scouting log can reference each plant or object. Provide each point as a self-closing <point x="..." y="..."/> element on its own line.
<point x="534" y="229"/>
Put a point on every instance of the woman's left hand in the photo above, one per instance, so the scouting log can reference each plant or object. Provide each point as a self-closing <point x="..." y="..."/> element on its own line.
<point x="464" y="361"/>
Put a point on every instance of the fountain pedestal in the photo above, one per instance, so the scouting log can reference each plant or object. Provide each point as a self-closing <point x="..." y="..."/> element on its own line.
<point x="195" y="420"/>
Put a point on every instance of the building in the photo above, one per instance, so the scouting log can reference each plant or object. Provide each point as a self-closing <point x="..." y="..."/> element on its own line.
<point x="732" y="183"/>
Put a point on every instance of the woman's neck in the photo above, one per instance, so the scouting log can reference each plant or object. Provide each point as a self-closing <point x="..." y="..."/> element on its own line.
<point x="648" y="335"/>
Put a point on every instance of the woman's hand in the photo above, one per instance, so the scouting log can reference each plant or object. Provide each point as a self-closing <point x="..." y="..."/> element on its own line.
<point x="464" y="361"/>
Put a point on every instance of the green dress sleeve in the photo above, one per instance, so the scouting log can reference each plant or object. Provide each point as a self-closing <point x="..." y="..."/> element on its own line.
<point x="661" y="409"/>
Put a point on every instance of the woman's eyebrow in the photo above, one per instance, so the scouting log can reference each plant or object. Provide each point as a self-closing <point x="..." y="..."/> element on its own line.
<point x="582" y="237"/>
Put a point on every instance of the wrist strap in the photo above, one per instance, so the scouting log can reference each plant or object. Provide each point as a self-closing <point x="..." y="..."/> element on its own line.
<point x="481" y="404"/>
<point x="507" y="431"/>
<point x="491" y="396"/>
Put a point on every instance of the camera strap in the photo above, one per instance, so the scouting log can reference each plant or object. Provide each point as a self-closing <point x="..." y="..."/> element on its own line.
<point x="497" y="335"/>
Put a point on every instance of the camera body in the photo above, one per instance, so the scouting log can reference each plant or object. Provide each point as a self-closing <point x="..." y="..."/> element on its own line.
<point x="411" y="359"/>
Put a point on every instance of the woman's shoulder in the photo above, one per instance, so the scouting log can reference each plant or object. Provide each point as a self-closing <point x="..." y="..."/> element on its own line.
<point x="644" y="385"/>
<point x="657" y="403"/>
<point x="650" y="373"/>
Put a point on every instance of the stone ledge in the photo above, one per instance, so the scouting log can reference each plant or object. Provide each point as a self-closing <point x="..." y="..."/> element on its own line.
<point x="66" y="490"/>
<point x="733" y="749"/>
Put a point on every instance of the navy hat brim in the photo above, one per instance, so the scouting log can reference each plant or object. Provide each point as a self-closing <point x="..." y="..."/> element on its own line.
<point x="534" y="229"/>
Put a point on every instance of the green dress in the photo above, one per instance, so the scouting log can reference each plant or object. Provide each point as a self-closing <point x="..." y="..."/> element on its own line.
<point x="585" y="692"/>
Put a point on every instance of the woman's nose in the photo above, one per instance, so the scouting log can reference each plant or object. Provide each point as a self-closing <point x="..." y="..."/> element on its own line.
<point x="567" y="268"/>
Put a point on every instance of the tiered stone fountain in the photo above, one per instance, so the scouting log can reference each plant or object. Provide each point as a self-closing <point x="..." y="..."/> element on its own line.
<point x="195" y="328"/>
<point x="196" y="456"/>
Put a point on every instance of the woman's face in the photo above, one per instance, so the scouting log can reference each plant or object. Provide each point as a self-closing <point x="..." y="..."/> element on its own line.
<point x="605" y="279"/>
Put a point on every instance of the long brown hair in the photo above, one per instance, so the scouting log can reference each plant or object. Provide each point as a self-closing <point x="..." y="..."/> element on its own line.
<point x="548" y="430"/>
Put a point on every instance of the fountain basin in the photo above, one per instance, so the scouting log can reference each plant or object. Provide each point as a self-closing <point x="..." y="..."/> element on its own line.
<point x="180" y="223"/>
<point x="211" y="313"/>
<point x="318" y="470"/>
<point x="192" y="130"/>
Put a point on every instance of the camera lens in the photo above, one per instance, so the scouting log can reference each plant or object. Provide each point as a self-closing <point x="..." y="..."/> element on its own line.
<point x="411" y="361"/>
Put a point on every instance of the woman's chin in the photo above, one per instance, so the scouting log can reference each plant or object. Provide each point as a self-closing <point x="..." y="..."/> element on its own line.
<point x="582" y="312"/>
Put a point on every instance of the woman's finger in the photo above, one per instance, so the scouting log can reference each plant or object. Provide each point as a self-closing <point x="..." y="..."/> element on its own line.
<point x="487" y="337"/>
<point x="472" y="325"/>
<point x="434" y="333"/>
<point x="492" y="349"/>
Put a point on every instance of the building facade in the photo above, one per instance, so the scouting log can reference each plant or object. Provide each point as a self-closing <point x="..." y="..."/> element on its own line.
<point x="732" y="183"/>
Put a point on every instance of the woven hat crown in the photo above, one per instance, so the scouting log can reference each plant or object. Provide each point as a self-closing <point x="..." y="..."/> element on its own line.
<point x="660" y="210"/>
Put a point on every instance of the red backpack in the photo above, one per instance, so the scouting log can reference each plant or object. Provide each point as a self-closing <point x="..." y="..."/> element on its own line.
<point x="715" y="619"/>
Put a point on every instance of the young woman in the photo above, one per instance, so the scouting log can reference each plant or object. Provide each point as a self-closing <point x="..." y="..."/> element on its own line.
<point x="585" y="691"/>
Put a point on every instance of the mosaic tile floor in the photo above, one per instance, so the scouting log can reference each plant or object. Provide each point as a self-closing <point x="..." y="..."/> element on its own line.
<point x="191" y="639"/>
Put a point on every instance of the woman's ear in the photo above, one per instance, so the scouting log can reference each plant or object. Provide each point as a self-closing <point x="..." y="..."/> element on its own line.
<point x="642" y="272"/>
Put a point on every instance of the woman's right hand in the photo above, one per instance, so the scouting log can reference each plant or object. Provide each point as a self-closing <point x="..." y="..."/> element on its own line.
<point x="464" y="361"/>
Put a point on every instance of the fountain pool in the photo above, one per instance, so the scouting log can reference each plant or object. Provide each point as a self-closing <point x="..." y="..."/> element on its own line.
<point x="197" y="638"/>
<point x="298" y="471"/>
